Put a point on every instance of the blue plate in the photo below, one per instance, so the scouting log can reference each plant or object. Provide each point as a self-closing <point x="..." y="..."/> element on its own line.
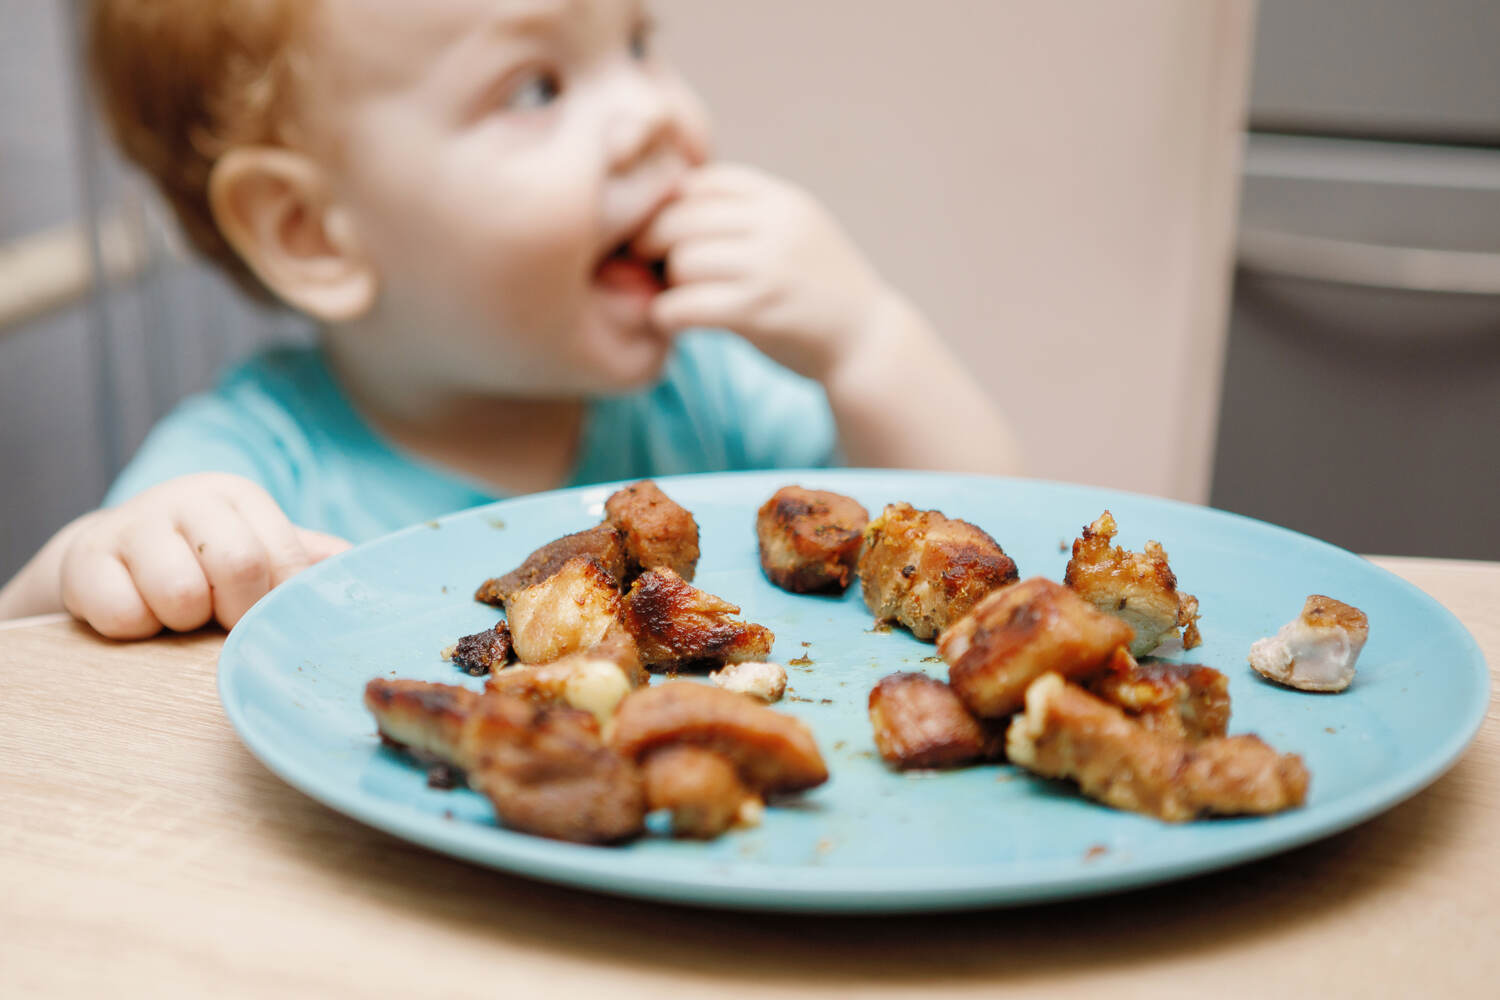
<point x="292" y="673"/>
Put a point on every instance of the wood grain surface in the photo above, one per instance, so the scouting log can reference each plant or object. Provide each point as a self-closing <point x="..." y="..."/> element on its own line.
<point x="145" y="852"/>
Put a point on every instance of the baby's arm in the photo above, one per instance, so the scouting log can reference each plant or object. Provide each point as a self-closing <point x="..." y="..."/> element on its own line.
<point x="751" y="254"/>
<point x="192" y="550"/>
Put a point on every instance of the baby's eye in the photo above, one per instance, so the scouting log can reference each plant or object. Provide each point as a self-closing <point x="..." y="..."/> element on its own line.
<point x="535" y="90"/>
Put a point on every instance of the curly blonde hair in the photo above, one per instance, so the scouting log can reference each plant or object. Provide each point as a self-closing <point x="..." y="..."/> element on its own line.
<point x="180" y="82"/>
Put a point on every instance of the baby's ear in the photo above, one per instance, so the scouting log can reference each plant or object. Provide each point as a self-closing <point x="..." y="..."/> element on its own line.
<point x="274" y="208"/>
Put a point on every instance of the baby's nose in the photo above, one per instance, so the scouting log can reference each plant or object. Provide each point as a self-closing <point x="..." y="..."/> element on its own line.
<point x="646" y="123"/>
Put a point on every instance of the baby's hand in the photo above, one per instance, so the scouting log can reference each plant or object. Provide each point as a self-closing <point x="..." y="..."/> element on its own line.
<point x="752" y="254"/>
<point x="192" y="550"/>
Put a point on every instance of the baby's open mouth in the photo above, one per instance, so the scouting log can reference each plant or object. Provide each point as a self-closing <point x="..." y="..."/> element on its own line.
<point x="623" y="270"/>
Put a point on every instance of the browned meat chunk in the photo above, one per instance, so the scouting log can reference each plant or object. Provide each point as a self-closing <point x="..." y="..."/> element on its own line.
<point x="658" y="532"/>
<point x="546" y="771"/>
<point x="810" y="539"/>
<point x="920" y="722"/>
<point x="676" y="625"/>
<point x="1176" y="699"/>
<point x="771" y="752"/>
<point x="701" y="789"/>
<point x="1137" y="587"/>
<point x="925" y="570"/>
<point x="601" y="543"/>
<point x="482" y="652"/>
<point x="1019" y="633"/>
<point x="1068" y="733"/>
<point x="572" y="610"/>
<point x="423" y="718"/>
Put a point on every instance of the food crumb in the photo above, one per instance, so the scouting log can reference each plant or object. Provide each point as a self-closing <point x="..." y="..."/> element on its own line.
<point x="446" y="653"/>
<point x="825" y="701"/>
<point x="800" y="661"/>
<point x="806" y="644"/>
<point x="445" y="588"/>
<point x="932" y="659"/>
<point x="1063" y="545"/>
<point x="434" y="525"/>
<point x="793" y="697"/>
<point x="841" y="744"/>
<point x="1330" y="730"/>
<point x="1097" y="851"/>
<point x="497" y="524"/>
<point x="880" y="628"/>
<point x="824" y="846"/>
<point x="442" y="777"/>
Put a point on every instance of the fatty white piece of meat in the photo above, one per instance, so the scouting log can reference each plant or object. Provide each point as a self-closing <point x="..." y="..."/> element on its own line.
<point x="760" y="680"/>
<point x="1317" y="650"/>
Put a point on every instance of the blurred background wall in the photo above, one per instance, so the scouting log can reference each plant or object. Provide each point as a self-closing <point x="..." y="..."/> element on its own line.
<point x="1058" y="186"/>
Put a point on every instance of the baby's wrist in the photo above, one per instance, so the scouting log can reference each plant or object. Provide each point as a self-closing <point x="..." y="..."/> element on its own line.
<point x="888" y="327"/>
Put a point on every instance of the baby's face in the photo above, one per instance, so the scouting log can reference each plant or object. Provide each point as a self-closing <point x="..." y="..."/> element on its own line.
<point x="493" y="155"/>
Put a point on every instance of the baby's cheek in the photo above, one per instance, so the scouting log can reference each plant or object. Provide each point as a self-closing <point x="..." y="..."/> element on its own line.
<point x="536" y="264"/>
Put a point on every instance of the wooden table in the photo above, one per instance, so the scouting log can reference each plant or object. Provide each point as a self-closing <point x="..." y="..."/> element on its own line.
<point x="144" y="851"/>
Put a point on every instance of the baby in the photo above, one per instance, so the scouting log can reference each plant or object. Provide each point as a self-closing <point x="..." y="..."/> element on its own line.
<point x="504" y="219"/>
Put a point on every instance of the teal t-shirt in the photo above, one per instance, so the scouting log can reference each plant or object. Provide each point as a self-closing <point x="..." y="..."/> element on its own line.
<point x="282" y="420"/>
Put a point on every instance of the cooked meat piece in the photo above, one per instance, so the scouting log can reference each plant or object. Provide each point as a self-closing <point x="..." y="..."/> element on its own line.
<point x="618" y="647"/>
<point x="572" y="610"/>
<point x="1068" y="733"/>
<point x="920" y="723"/>
<point x="925" y="570"/>
<point x="658" y="532"/>
<point x="425" y="719"/>
<point x="1137" y="587"/>
<point x="482" y="652"/>
<point x="676" y="625"/>
<point x="546" y="771"/>
<point x="601" y="543"/>
<point x="772" y="752"/>
<point x="1175" y="699"/>
<point x="700" y="787"/>
<point x="765" y="682"/>
<point x="1316" y="651"/>
<point x="810" y="539"/>
<point x="1021" y="632"/>
<point x="579" y="680"/>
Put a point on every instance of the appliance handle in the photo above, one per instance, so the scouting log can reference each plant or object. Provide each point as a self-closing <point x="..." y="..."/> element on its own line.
<point x="1370" y="265"/>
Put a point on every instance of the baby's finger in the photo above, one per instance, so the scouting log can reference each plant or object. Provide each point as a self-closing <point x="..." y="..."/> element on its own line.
<point x="278" y="536"/>
<point x="718" y="179"/>
<point x="232" y="556"/>
<point x="97" y="589"/>
<point x="167" y="575"/>
<point x="706" y="260"/>
<point x="319" y="546"/>
<point x="713" y="303"/>
<point x="684" y="220"/>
